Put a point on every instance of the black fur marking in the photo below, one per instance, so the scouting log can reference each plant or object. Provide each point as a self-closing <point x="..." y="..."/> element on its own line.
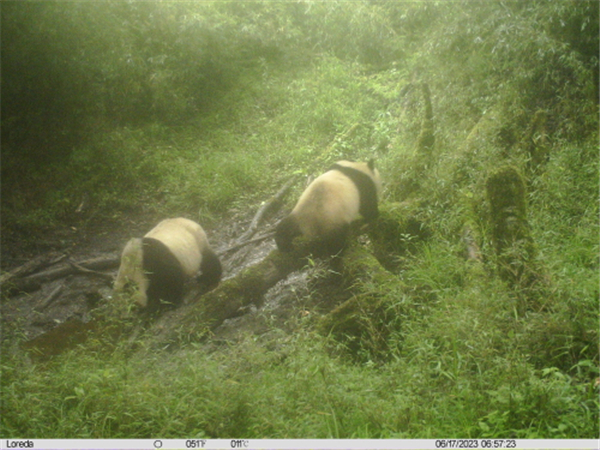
<point x="285" y="232"/>
<point x="211" y="269"/>
<point x="165" y="274"/>
<point x="366" y="189"/>
<point x="332" y="243"/>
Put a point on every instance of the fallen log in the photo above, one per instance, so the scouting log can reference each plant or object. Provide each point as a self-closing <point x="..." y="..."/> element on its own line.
<point x="248" y="242"/>
<point x="364" y="322"/>
<point x="397" y="232"/>
<point x="83" y="270"/>
<point x="196" y="320"/>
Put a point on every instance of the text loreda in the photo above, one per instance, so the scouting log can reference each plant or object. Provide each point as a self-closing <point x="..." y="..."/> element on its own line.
<point x="19" y="444"/>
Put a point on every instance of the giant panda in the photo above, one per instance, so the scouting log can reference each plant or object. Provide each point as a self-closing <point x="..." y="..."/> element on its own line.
<point x="159" y="264"/>
<point x="325" y="210"/>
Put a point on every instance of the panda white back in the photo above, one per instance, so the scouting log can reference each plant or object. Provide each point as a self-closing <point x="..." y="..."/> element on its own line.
<point x="185" y="239"/>
<point x="160" y="263"/>
<point x="329" y="202"/>
<point x="346" y="192"/>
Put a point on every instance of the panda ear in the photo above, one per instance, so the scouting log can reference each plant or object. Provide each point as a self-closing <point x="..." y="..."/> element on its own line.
<point x="371" y="164"/>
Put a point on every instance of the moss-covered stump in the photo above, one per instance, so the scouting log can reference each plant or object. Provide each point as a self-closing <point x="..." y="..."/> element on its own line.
<point x="396" y="232"/>
<point x="494" y="131"/>
<point x="513" y="244"/>
<point x="364" y="322"/>
<point x="426" y="138"/>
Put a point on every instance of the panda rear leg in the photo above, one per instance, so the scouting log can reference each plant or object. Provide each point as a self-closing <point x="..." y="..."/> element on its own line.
<point x="211" y="269"/>
<point x="165" y="275"/>
<point x="285" y="233"/>
<point x="334" y="242"/>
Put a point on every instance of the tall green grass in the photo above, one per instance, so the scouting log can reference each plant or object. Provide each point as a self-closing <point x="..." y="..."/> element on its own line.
<point x="456" y="376"/>
<point x="464" y="360"/>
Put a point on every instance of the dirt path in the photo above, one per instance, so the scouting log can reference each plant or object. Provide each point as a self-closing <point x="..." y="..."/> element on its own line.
<point x="60" y="309"/>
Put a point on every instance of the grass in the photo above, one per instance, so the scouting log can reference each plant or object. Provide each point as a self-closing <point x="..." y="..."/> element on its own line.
<point x="462" y="364"/>
<point x="463" y="361"/>
<point x="443" y="385"/>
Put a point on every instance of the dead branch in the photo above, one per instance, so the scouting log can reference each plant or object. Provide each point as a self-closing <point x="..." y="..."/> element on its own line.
<point x="251" y="241"/>
<point x="50" y="298"/>
<point x="34" y="282"/>
<point x="273" y="203"/>
<point x="31" y="266"/>
<point x="83" y="270"/>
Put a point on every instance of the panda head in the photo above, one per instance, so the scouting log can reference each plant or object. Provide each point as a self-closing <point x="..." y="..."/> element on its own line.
<point x="131" y="277"/>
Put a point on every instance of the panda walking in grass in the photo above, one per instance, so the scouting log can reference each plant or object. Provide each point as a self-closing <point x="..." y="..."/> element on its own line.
<point x="158" y="265"/>
<point x="345" y="193"/>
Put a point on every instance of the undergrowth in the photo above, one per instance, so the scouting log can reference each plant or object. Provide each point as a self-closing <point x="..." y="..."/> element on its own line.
<point x="464" y="359"/>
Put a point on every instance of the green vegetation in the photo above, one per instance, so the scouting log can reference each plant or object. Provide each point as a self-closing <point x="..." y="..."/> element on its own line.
<point x="205" y="109"/>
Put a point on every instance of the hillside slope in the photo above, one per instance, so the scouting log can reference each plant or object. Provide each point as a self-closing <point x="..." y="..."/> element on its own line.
<point x="483" y="119"/>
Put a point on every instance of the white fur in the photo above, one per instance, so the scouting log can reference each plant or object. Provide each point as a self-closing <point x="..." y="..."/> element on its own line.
<point x="184" y="238"/>
<point x="364" y="168"/>
<point x="331" y="200"/>
<point x="131" y="271"/>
